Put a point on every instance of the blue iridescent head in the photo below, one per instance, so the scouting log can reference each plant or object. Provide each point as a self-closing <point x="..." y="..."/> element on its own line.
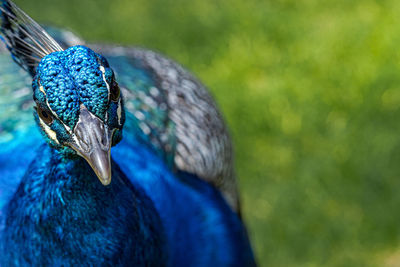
<point x="78" y="102"/>
<point x="79" y="106"/>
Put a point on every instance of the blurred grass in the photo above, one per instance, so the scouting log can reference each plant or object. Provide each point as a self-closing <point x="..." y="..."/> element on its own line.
<point x="311" y="92"/>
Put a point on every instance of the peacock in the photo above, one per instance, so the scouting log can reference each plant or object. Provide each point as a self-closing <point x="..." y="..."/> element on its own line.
<point x="126" y="161"/>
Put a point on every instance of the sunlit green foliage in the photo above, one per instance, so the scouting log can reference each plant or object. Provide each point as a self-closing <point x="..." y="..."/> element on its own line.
<point x="311" y="92"/>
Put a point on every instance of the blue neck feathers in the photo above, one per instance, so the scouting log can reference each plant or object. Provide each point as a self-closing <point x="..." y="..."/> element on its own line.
<point x="62" y="215"/>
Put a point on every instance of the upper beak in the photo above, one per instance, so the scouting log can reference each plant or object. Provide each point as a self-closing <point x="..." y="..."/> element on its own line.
<point x="93" y="143"/>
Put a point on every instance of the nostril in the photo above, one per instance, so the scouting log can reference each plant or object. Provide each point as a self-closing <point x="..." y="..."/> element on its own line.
<point x="83" y="139"/>
<point x="104" y="139"/>
<point x="102" y="135"/>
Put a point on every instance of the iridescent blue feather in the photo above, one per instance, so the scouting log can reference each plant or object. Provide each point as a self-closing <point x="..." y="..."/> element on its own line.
<point x="172" y="200"/>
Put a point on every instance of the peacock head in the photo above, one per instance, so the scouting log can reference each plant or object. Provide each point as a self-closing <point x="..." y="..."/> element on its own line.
<point x="78" y="102"/>
<point x="78" y="106"/>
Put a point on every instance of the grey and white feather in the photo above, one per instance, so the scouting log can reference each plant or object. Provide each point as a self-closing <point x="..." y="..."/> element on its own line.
<point x="203" y="144"/>
<point x="27" y="41"/>
<point x="191" y="128"/>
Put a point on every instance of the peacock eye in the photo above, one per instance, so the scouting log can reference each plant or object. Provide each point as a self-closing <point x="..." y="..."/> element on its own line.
<point x="44" y="115"/>
<point x="115" y="92"/>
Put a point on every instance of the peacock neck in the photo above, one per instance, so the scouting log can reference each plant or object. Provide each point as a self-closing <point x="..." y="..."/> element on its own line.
<point x="62" y="209"/>
<point x="60" y="171"/>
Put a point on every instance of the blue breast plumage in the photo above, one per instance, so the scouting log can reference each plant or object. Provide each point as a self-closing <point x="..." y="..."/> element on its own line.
<point x="130" y="165"/>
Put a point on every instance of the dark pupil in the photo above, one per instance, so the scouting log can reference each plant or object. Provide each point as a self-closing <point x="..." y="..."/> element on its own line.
<point x="44" y="114"/>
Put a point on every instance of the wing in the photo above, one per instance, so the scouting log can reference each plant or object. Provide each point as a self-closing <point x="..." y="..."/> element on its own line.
<point x="173" y="112"/>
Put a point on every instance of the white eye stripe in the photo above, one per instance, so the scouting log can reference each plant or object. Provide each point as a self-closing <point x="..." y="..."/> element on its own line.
<point x="103" y="71"/>
<point x="50" y="133"/>
<point x="119" y="109"/>
<point x="51" y="110"/>
<point x="55" y="115"/>
<point x="42" y="90"/>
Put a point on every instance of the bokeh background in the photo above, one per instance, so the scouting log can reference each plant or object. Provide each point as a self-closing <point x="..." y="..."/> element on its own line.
<point x="311" y="92"/>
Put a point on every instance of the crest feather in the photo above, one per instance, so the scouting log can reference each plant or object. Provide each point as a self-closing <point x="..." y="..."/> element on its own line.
<point x="24" y="38"/>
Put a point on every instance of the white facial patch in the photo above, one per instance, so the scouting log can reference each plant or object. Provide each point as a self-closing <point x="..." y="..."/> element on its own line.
<point x="42" y="90"/>
<point x="119" y="109"/>
<point x="103" y="71"/>
<point x="55" y="115"/>
<point x="50" y="133"/>
<point x="52" y="112"/>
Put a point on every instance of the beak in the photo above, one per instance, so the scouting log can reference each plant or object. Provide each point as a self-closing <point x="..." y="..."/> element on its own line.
<point x="93" y="143"/>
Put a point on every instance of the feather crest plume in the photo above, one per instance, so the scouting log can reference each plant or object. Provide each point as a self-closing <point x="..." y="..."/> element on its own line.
<point x="27" y="41"/>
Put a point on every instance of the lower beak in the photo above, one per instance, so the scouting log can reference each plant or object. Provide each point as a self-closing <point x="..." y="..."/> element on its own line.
<point x="93" y="143"/>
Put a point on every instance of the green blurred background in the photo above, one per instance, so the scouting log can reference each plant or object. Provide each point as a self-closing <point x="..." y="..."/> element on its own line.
<point x="311" y="92"/>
